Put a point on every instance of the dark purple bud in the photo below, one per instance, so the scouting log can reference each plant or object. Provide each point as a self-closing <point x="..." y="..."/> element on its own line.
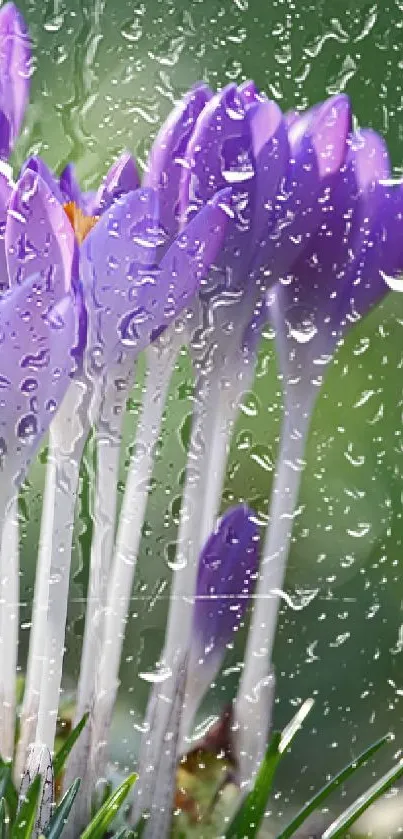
<point x="227" y="572"/>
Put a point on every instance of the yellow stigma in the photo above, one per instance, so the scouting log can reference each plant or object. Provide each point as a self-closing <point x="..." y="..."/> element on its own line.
<point x="80" y="223"/>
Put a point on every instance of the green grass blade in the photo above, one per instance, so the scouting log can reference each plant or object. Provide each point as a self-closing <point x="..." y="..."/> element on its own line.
<point x="56" y="825"/>
<point x="247" y="820"/>
<point x="25" y="820"/>
<point x="60" y="758"/>
<point x="342" y="776"/>
<point x="10" y="793"/>
<point x="140" y="827"/>
<point x="338" y="828"/>
<point x="107" y="812"/>
<point x="249" y="817"/>
<point x="3" y="825"/>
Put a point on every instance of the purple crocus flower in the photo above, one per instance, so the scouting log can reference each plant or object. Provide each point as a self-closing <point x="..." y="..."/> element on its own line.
<point x="130" y="291"/>
<point x="15" y="73"/>
<point x="39" y="316"/>
<point x="129" y="295"/>
<point x="344" y="271"/>
<point x="225" y="580"/>
<point x="281" y="177"/>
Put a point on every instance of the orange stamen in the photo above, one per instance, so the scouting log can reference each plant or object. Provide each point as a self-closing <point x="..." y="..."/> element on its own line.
<point x="80" y="223"/>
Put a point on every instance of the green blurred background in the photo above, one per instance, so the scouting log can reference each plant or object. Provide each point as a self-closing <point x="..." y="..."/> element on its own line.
<point x="106" y="75"/>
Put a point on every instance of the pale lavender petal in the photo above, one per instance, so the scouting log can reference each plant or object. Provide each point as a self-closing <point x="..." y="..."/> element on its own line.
<point x="39" y="238"/>
<point x="122" y="177"/>
<point x="130" y="298"/>
<point x="167" y="156"/>
<point x="37" y="335"/>
<point x="36" y="164"/>
<point x="116" y="258"/>
<point x="15" y="67"/>
<point x="220" y="154"/>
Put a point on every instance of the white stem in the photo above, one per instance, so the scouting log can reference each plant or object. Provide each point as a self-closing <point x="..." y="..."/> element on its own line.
<point x="158" y="375"/>
<point x="9" y="624"/>
<point x="68" y="435"/>
<point x="182" y="593"/>
<point x="30" y="705"/>
<point x="109" y="439"/>
<point x="253" y="703"/>
<point x="225" y="412"/>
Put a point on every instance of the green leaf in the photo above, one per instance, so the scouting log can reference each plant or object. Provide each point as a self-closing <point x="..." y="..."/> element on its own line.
<point x="10" y="793"/>
<point x="25" y="821"/>
<point x="3" y="824"/>
<point x="247" y="821"/>
<point x="140" y="827"/>
<point x="249" y="817"/>
<point x="342" y="823"/>
<point x="60" y="758"/>
<point x="56" y="825"/>
<point x="125" y="833"/>
<point x="107" y="812"/>
<point x="328" y="788"/>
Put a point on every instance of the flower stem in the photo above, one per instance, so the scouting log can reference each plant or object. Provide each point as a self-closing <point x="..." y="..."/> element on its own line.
<point x="9" y="624"/>
<point x="161" y="702"/>
<point x="158" y="375"/>
<point x="109" y="439"/>
<point x="68" y="435"/>
<point x="253" y="703"/>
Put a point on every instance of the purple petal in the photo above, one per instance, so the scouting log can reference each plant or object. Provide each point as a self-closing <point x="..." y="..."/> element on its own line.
<point x="329" y="130"/>
<point x="36" y="164"/>
<point x="37" y="336"/>
<point x="39" y="238"/>
<point x="122" y="177"/>
<point x="129" y="298"/>
<point x="248" y="92"/>
<point x="15" y="67"/>
<point x="227" y="571"/>
<point x="220" y="154"/>
<point x="69" y="186"/>
<point x="117" y="262"/>
<point x="167" y="156"/>
<point x="290" y="118"/>
<point x="319" y="147"/>
<point x="381" y="259"/>
<point x="271" y="151"/>
<point x="340" y="271"/>
<point x="5" y="136"/>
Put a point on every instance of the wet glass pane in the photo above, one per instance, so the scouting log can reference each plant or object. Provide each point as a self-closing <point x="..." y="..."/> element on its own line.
<point x="104" y="78"/>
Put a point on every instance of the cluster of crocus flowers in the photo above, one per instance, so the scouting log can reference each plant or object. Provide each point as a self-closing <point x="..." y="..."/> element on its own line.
<point x="244" y="215"/>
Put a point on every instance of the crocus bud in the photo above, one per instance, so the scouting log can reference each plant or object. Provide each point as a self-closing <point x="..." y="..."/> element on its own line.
<point x="227" y="572"/>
